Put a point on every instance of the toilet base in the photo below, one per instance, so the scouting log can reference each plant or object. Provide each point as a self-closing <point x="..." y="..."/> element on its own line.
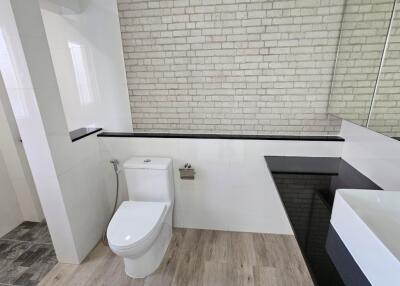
<point x="145" y="264"/>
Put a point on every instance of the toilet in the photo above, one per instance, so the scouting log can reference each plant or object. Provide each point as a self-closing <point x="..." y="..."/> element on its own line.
<point x="141" y="228"/>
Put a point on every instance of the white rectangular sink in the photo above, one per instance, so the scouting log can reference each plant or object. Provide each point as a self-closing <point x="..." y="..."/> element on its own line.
<point x="368" y="223"/>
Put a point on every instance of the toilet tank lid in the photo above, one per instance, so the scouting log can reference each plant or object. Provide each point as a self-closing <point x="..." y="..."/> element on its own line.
<point x="153" y="163"/>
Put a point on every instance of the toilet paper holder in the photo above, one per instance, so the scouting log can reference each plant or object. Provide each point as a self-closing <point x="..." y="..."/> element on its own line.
<point x="187" y="172"/>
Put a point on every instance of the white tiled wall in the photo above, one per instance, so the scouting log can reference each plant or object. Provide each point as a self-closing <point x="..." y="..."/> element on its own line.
<point x="70" y="177"/>
<point x="373" y="154"/>
<point x="87" y="54"/>
<point x="232" y="189"/>
<point x="39" y="114"/>
<point x="88" y="62"/>
<point x="16" y="165"/>
<point x="65" y="7"/>
<point x="10" y="211"/>
<point x="230" y="66"/>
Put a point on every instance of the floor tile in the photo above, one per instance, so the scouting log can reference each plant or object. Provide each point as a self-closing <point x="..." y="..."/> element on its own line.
<point x="26" y="255"/>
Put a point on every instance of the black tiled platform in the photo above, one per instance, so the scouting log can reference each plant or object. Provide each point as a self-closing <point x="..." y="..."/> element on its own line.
<point x="26" y="254"/>
<point x="307" y="187"/>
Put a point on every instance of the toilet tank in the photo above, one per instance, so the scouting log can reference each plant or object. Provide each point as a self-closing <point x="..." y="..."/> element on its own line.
<point x="149" y="179"/>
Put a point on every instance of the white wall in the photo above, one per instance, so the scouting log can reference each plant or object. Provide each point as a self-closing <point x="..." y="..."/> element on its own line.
<point x="10" y="213"/>
<point x="65" y="7"/>
<point x="70" y="177"/>
<point x="373" y="154"/>
<point x="103" y="102"/>
<point x="15" y="161"/>
<point x="33" y="97"/>
<point x="86" y="50"/>
<point x="233" y="189"/>
<point x="86" y="191"/>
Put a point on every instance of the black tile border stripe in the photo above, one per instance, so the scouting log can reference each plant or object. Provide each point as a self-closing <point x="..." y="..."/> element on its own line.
<point x="82" y="133"/>
<point x="221" y="136"/>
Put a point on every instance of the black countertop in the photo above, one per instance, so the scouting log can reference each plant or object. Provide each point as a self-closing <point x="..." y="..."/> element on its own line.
<point x="343" y="175"/>
<point x="303" y="165"/>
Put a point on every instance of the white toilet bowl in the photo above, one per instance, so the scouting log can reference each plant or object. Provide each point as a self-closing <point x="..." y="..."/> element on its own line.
<point x="140" y="232"/>
<point x="141" y="228"/>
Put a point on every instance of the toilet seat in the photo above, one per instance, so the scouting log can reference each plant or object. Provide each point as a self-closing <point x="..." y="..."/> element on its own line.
<point x="135" y="225"/>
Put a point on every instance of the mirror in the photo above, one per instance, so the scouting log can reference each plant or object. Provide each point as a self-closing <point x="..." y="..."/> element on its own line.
<point x="385" y="110"/>
<point x="366" y="81"/>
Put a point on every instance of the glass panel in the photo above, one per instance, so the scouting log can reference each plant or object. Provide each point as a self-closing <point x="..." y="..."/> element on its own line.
<point x="385" y="113"/>
<point x="363" y="34"/>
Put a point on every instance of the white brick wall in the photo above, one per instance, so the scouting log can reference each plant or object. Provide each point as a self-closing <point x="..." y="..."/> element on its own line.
<point x="230" y="66"/>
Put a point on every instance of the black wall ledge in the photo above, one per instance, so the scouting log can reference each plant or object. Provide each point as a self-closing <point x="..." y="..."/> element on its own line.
<point x="221" y="136"/>
<point x="82" y="133"/>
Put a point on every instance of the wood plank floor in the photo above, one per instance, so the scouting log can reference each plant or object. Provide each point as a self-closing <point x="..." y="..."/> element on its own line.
<point x="199" y="257"/>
